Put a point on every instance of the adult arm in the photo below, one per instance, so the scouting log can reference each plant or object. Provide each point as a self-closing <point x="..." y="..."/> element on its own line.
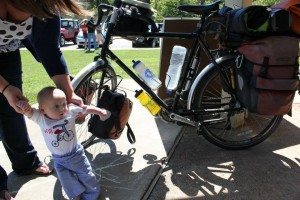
<point x="11" y="93"/>
<point x="91" y="24"/>
<point x="45" y="37"/>
<point x="63" y="82"/>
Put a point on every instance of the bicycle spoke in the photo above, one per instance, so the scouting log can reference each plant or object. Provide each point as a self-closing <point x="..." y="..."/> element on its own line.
<point x="90" y="89"/>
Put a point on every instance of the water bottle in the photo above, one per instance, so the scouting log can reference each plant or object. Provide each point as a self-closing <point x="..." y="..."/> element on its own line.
<point x="146" y="75"/>
<point x="174" y="71"/>
<point x="147" y="101"/>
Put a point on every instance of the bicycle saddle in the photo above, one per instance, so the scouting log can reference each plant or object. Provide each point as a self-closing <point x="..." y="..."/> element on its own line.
<point x="201" y="8"/>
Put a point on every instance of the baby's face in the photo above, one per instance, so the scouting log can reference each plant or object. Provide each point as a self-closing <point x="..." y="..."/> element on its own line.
<point x="55" y="107"/>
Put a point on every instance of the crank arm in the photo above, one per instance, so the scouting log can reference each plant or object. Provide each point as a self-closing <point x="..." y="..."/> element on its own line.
<point x="185" y="120"/>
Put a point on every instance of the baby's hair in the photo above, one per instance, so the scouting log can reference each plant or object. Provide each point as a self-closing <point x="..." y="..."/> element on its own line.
<point x="45" y="93"/>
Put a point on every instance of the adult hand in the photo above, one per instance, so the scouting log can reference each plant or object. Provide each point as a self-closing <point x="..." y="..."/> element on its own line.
<point x="13" y="96"/>
<point x="25" y="107"/>
<point x="75" y="99"/>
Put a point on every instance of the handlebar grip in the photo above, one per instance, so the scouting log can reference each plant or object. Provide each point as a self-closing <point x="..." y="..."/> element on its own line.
<point x="102" y="8"/>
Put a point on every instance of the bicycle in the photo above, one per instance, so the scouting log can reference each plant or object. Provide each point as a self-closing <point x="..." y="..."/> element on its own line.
<point x="206" y="101"/>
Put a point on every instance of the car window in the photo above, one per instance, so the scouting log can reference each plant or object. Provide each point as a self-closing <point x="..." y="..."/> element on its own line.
<point x="160" y="27"/>
<point x="71" y="24"/>
<point x="64" y="24"/>
<point x="76" y="25"/>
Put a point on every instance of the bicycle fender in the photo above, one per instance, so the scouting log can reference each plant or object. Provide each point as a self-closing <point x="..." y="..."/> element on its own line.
<point x="206" y="69"/>
<point x="83" y="72"/>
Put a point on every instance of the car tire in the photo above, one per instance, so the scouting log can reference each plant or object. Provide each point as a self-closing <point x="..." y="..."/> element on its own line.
<point x="62" y="40"/>
<point x="153" y="43"/>
<point x="134" y="44"/>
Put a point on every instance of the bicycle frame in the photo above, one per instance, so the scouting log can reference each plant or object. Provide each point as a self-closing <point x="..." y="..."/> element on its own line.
<point x="197" y="41"/>
<point x="211" y="104"/>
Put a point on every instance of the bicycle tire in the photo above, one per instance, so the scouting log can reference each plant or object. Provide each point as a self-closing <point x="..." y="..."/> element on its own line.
<point x="236" y="130"/>
<point x="88" y="84"/>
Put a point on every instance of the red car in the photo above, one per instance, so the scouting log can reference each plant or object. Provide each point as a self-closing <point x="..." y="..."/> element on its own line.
<point x="69" y="29"/>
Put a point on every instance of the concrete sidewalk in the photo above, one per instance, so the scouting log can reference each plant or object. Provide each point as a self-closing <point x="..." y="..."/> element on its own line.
<point x="125" y="171"/>
<point x="197" y="169"/>
<point x="268" y="171"/>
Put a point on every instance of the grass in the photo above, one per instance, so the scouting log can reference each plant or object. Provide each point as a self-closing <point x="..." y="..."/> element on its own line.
<point x="35" y="76"/>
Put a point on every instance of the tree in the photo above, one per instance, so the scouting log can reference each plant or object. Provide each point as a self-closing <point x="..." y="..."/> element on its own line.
<point x="168" y="8"/>
<point x="265" y="2"/>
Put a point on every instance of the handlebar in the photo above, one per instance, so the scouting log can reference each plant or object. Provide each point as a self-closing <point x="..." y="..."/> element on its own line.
<point x="103" y="8"/>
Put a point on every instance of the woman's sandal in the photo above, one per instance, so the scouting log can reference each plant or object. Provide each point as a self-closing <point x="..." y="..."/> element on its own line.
<point x="4" y="195"/>
<point x="43" y="170"/>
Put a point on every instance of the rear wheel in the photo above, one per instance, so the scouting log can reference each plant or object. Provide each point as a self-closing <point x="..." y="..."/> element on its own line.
<point x="89" y="88"/>
<point x="229" y="129"/>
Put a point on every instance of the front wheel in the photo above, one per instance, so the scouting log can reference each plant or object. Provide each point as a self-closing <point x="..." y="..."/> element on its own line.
<point x="89" y="84"/>
<point x="229" y="129"/>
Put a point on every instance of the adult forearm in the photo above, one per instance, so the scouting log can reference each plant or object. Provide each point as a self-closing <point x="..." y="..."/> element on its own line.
<point x="3" y="84"/>
<point x="63" y="82"/>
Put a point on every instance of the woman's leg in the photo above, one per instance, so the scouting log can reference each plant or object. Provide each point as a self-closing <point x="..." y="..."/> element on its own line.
<point x="3" y="185"/>
<point x="14" y="133"/>
<point x="3" y="179"/>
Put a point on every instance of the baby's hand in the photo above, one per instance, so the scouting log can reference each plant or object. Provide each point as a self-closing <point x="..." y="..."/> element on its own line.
<point x="104" y="115"/>
<point x="24" y="106"/>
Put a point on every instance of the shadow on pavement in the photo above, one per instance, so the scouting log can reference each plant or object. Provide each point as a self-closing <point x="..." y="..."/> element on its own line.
<point x="200" y="170"/>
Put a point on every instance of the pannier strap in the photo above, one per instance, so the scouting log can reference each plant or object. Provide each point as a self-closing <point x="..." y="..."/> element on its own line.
<point x="264" y="68"/>
<point x="275" y="84"/>
<point x="117" y="122"/>
<point x="130" y="134"/>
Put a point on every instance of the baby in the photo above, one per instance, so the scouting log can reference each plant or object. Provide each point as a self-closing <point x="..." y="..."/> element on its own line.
<point x="56" y="119"/>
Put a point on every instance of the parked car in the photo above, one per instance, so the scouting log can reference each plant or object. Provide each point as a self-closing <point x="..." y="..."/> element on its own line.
<point x="80" y="40"/>
<point x="148" y="42"/>
<point x="68" y="31"/>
